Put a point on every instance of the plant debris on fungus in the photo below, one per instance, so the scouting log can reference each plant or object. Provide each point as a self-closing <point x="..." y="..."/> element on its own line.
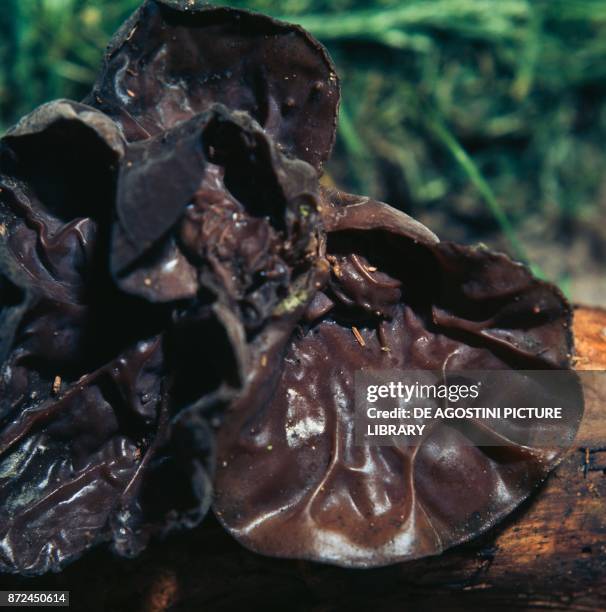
<point x="168" y="259"/>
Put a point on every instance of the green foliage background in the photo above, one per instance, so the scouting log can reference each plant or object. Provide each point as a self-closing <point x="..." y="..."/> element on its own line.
<point x="486" y="118"/>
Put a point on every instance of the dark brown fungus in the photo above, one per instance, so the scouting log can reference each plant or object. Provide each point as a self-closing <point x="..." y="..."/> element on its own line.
<point x="213" y="204"/>
<point x="173" y="59"/>
<point x="231" y="243"/>
<point x="167" y="257"/>
<point x="84" y="424"/>
<point x="291" y="480"/>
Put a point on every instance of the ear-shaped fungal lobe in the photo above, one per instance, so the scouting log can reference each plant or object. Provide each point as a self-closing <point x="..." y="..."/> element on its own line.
<point x="57" y="185"/>
<point x="85" y="438"/>
<point x="64" y="465"/>
<point x="173" y="59"/>
<point x="233" y="249"/>
<point x="213" y="203"/>
<point x="94" y="461"/>
<point x="57" y="182"/>
<point x="291" y="481"/>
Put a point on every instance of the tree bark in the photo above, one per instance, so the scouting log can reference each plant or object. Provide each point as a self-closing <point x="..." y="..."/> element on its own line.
<point x="549" y="554"/>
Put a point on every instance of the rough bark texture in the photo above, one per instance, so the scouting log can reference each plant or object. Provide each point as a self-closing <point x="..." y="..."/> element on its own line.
<point x="550" y="554"/>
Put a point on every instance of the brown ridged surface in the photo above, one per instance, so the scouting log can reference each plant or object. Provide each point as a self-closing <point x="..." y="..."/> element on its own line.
<point x="550" y="554"/>
<point x="174" y="58"/>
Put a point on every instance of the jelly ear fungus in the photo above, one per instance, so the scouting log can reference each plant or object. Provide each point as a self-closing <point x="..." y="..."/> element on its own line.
<point x="292" y="481"/>
<point x="230" y="105"/>
<point x="117" y="281"/>
<point x="167" y="258"/>
<point x="234" y="247"/>
<point x="173" y="59"/>
<point x="83" y="405"/>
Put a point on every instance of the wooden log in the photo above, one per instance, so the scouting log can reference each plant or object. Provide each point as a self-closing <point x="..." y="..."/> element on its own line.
<point x="549" y="554"/>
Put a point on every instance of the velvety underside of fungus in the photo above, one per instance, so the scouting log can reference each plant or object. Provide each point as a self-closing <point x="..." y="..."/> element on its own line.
<point x="168" y="259"/>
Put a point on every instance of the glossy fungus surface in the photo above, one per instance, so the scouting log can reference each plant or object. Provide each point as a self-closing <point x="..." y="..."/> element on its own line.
<point x="291" y="479"/>
<point x="183" y="310"/>
<point x="173" y="60"/>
